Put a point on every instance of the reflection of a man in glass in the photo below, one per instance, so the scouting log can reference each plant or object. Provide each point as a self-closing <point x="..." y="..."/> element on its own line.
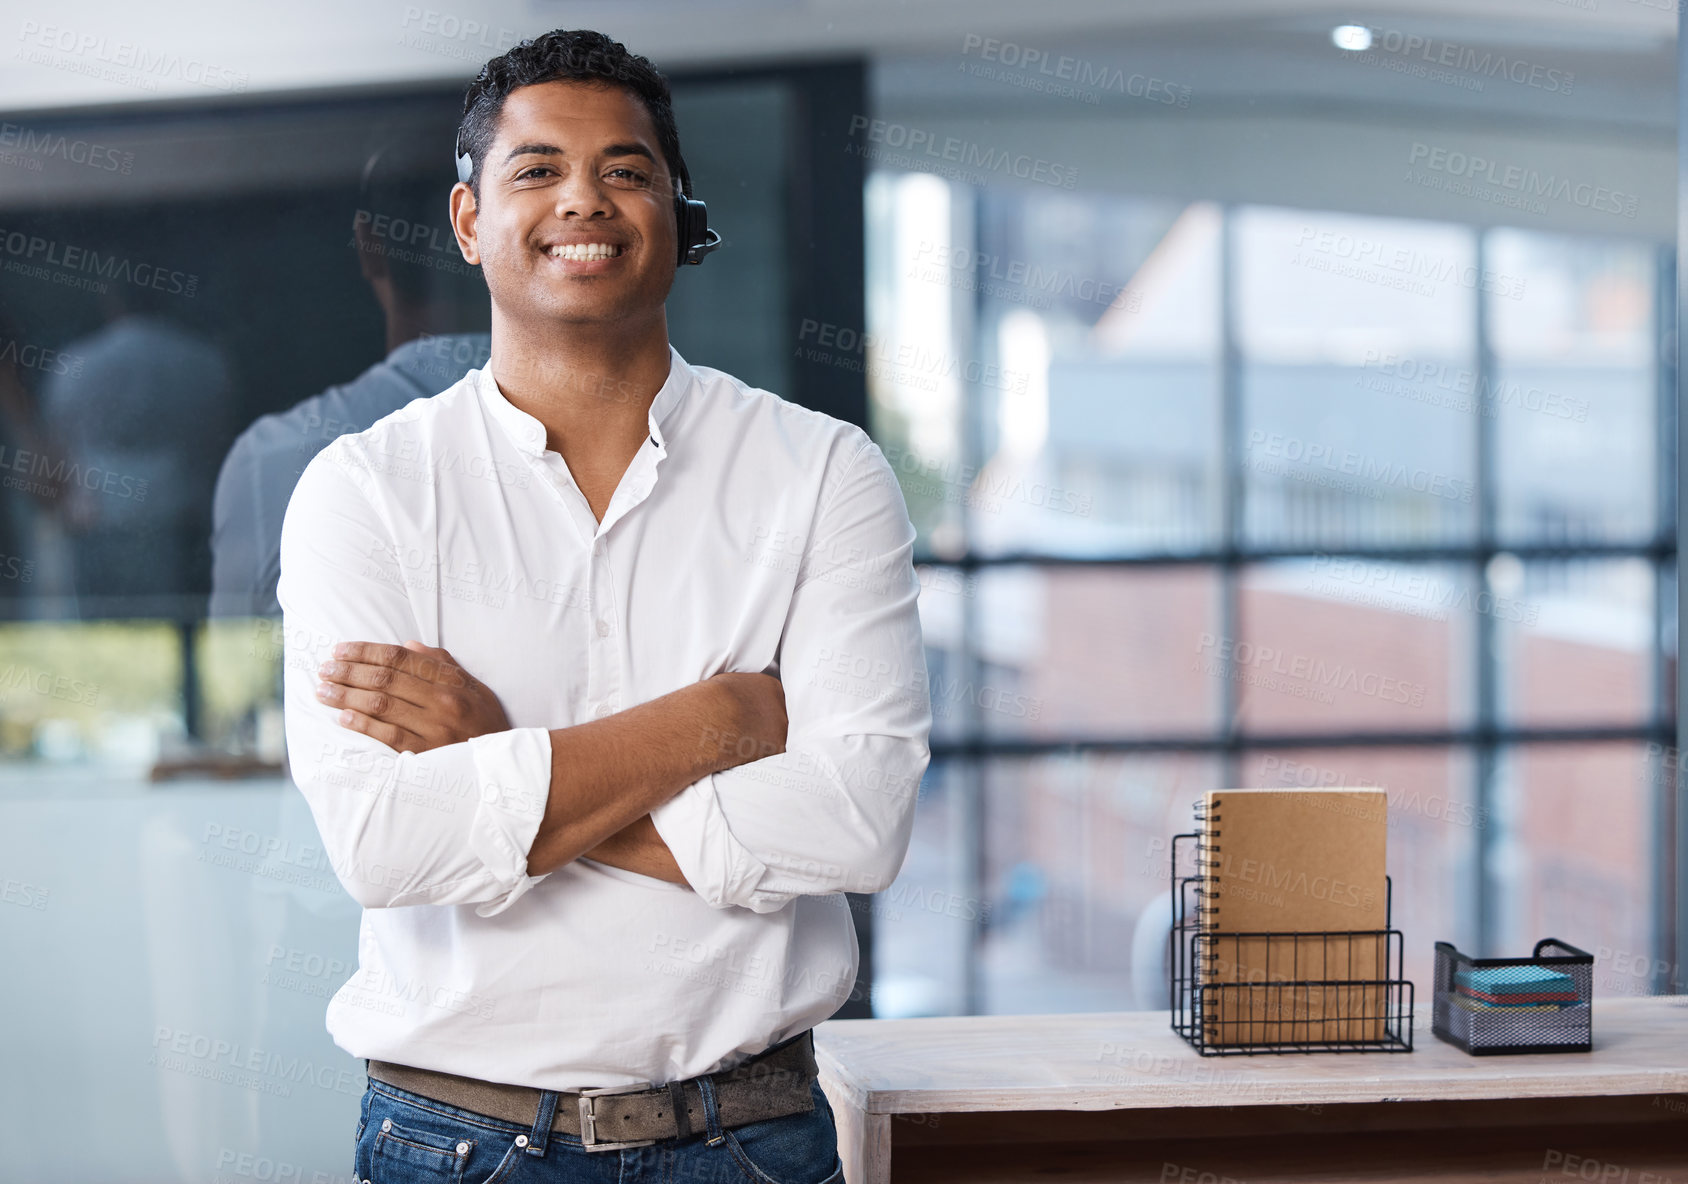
<point x="409" y="258"/>
<point x="141" y="421"/>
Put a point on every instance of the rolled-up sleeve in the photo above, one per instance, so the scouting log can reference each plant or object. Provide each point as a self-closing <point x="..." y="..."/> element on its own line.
<point x="834" y="812"/>
<point x="449" y="826"/>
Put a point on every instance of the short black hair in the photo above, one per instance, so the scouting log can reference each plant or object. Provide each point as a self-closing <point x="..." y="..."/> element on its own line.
<point x="568" y="55"/>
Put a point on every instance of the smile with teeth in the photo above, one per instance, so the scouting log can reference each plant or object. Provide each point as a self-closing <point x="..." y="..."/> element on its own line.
<point x="584" y="252"/>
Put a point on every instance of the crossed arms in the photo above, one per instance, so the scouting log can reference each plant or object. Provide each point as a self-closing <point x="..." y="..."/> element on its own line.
<point x="415" y="698"/>
<point x="750" y="791"/>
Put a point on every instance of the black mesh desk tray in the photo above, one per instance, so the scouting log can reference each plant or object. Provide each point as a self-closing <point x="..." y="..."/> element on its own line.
<point x="1235" y="994"/>
<point x="1543" y="1003"/>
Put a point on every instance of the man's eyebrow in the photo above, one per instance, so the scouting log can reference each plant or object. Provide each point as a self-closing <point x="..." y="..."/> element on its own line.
<point x="627" y="149"/>
<point x="533" y="150"/>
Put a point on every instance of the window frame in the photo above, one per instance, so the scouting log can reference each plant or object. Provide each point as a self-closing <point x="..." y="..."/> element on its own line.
<point x="1487" y="737"/>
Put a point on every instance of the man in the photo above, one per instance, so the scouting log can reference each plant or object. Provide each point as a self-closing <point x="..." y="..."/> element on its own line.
<point x="660" y="699"/>
<point x="418" y="289"/>
<point x="141" y="422"/>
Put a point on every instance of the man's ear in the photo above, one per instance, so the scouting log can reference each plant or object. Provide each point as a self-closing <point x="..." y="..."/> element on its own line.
<point x="463" y="210"/>
<point x="371" y="259"/>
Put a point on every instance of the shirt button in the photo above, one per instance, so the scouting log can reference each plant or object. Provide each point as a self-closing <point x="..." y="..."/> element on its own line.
<point x="603" y="628"/>
<point x="603" y="710"/>
<point x="521" y="1140"/>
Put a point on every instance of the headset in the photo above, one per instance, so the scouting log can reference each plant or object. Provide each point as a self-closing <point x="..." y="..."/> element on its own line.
<point x="690" y="215"/>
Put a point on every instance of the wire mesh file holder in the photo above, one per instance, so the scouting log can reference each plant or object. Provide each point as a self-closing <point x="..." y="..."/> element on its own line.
<point x="1270" y="1011"/>
<point x="1489" y="1006"/>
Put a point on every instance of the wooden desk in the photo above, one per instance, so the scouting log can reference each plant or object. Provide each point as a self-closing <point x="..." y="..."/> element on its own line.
<point x="1118" y="1096"/>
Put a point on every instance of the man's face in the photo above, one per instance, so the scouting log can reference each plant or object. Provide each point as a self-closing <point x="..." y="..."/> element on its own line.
<point x="575" y="219"/>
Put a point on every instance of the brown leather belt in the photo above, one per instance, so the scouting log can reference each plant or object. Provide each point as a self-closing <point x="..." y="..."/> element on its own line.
<point x="771" y="1084"/>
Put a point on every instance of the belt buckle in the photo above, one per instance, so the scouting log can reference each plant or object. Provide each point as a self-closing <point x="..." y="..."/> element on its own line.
<point x="589" y="1120"/>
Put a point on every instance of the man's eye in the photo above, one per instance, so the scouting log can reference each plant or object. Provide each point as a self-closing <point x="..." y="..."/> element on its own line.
<point x="533" y="170"/>
<point x="629" y="175"/>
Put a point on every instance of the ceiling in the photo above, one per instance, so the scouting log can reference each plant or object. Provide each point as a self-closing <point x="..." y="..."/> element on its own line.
<point x="80" y="53"/>
<point x="202" y="94"/>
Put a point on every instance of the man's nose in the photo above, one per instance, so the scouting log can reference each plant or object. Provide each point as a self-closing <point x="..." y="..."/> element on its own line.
<point x="582" y="192"/>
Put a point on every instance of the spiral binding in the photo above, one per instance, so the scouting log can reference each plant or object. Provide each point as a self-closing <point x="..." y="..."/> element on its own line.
<point x="1207" y="896"/>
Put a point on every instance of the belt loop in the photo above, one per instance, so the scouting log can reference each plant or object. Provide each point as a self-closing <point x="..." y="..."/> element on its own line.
<point x="541" y="1134"/>
<point x="711" y="1117"/>
<point x="677" y="1100"/>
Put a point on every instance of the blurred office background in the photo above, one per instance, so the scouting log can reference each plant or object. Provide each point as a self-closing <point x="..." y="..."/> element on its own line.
<point x="1284" y="394"/>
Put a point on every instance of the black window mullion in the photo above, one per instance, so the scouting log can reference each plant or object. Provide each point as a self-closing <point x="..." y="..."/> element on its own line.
<point x="972" y="801"/>
<point x="1232" y="493"/>
<point x="1485" y="662"/>
<point x="1660" y="763"/>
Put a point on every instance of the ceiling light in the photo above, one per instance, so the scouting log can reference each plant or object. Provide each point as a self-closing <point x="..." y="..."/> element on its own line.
<point x="1356" y="38"/>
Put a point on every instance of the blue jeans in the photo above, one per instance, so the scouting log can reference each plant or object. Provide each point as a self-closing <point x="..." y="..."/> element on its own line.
<point x="405" y="1138"/>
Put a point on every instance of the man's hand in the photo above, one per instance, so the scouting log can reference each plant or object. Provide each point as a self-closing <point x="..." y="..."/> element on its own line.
<point x="411" y="698"/>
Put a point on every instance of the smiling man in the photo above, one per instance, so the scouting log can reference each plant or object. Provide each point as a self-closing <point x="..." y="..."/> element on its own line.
<point x="604" y="683"/>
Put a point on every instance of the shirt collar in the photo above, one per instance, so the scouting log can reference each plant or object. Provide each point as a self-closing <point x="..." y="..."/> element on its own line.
<point x="528" y="433"/>
<point x="673" y="390"/>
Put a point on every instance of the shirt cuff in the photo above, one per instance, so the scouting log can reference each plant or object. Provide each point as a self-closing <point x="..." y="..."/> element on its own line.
<point x="513" y="779"/>
<point x="717" y="866"/>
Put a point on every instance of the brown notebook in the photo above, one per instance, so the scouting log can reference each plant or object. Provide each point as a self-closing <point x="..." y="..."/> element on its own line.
<point x="1299" y="862"/>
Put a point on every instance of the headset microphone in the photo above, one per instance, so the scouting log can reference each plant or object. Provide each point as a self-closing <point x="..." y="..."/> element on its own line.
<point x="691" y="217"/>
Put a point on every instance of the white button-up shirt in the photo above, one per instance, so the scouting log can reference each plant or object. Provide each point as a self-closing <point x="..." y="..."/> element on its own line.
<point x="747" y="534"/>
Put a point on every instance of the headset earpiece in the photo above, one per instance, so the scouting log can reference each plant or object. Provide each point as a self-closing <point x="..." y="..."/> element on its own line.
<point x="465" y="162"/>
<point x="696" y="239"/>
<point x="691" y="222"/>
